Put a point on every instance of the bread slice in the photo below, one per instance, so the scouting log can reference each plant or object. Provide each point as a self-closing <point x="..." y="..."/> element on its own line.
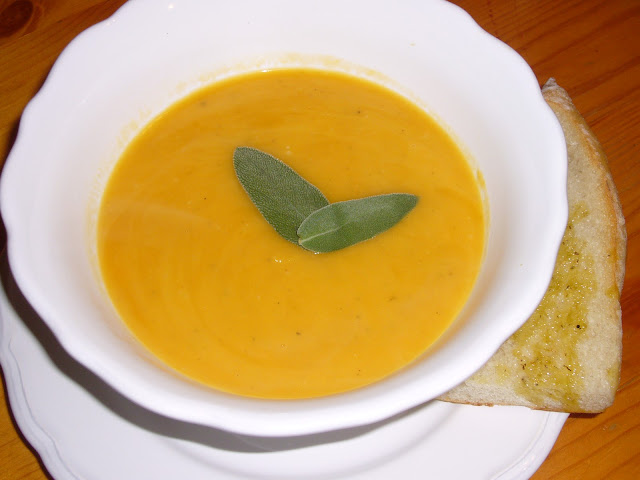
<point x="567" y="356"/>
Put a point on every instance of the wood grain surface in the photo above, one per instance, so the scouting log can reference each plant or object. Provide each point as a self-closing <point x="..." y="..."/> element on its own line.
<point x="592" y="48"/>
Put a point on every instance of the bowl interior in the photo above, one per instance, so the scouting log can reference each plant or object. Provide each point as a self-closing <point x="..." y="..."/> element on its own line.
<point x="119" y="74"/>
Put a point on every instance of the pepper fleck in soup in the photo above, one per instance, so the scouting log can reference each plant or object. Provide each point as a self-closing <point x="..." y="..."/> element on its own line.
<point x="208" y="286"/>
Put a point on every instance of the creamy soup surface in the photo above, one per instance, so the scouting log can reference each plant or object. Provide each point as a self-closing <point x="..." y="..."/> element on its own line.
<point x="208" y="286"/>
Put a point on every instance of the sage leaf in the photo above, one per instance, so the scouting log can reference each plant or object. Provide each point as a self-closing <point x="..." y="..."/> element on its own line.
<point x="282" y="196"/>
<point x="342" y="224"/>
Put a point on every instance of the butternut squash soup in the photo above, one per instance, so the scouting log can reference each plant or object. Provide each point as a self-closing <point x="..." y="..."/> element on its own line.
<point x="208" y="286"/>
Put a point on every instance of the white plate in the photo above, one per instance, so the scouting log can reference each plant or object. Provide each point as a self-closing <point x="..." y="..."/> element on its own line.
<point x="83" y="429"/>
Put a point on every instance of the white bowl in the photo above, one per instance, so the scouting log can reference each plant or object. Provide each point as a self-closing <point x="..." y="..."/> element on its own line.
<point x="120" y="73"/>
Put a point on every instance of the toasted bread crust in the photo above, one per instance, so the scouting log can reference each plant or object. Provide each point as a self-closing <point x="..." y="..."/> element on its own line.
<point x="562" y="105"/>
<point x="567" y="356"/>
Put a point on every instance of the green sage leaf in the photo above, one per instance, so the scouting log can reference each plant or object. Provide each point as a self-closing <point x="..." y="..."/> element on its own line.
<point x="282" y="196"/>
<point x="342" y="224"/>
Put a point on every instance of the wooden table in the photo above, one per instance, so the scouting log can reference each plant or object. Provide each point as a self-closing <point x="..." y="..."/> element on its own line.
<point x="592" y="48"/>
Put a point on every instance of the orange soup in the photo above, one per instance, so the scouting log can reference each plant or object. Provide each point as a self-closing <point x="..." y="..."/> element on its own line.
<point x="208" y="286"/>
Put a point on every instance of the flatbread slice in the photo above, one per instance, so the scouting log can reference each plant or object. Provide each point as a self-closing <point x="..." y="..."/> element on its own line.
<point x="567" y="356"/>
